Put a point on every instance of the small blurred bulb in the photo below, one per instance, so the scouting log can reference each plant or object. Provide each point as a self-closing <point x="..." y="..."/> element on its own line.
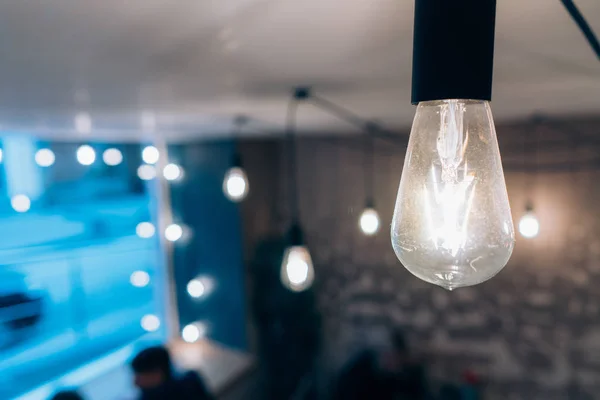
<point x="139" y="279"/>
<point x="83" y="123"/>
<point x="529" y="226"/>
<point x="145" y="230"/>
<point x="172" y="172"/>
<point x="297" y="271"/>
<point x="20" y="203"/>
<point x="196" y="288"/>
<point x="150" y="155"/>
<point x="44" y="157"/>
<point x="86" y="155"/>
<point x="173" y="232"/>
<point x="369" y="221"/>
<point x="235" y="184"/>
<point x="112" y="157"/>
<point x="150" y="323"/>
<point x="146" y="172"/>
<point x="192" y="332"/>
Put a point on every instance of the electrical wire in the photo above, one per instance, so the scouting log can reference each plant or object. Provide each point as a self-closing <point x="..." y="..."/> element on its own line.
<point x="292" y="172"/>
<point x="583" y="26"/>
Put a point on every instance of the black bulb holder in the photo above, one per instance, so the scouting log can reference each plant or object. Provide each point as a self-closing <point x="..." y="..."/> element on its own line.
<point x="453" y="50"/>
<point x="296" y="235"/>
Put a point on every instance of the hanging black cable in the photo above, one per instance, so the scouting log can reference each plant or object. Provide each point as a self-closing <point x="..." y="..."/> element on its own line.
<point x="296" y="236"/>
<point x="369" y="176"/>
<point x="583" y="26"/>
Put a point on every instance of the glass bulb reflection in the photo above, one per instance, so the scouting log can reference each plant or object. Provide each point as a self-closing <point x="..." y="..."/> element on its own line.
<point x="452" y="224"/>
<point x="235" y="184"/>
<point x="529" y="226"/>
<point x="369" y="221"/>
<point x="297" y="271"/>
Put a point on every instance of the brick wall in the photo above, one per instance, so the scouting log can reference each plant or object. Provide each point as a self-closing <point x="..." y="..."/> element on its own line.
<point x="533" y="330"/>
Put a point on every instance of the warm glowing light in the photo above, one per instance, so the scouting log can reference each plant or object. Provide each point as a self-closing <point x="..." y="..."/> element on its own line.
<point x="44" y="157"/>
<point x="86" y="155"/>
<point x="150" y="155"/>
<point x="150" y="322"/>
<point x="192" y="332"/>
<point x="529" y="226"/>
<point x="172" y="172"/>
<point x="83" y="123"/>
<point x="196" y="288"/>
<point x="173" y="232"/>
<point x="452" y="224"/>
<point x="146" y="172"/>
<point x="235" y="184"/>
<point x="20" y="203"/>
<point x="112" y="157"/>
<point x="297" y="272"/>
<point x="145" y="230"/>
<point x="139" y="279"/>
<point x="369" y="221"/>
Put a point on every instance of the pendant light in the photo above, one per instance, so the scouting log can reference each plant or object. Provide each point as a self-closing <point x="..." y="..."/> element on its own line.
<point x="529" y="225"/>
<point x="369" y="219"/>
<point x="297" y="270"/>
<point x="235" y="182"/>
<point x="452" y="224"/>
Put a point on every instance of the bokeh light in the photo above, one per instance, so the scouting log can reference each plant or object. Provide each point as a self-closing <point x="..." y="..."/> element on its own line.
<point x="86" y="155"/>
<point x="139" y="279"/>
<point x="146" y="172"/>
<point x="112" y="157"/>
<point x="150" y="322"/>
<point x="20" y="203"/>
<point x="150" y="155"/>
<point x="145" y="230"/>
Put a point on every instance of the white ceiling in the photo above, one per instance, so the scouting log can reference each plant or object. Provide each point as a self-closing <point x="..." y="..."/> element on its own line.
<point x="196" y="64"/>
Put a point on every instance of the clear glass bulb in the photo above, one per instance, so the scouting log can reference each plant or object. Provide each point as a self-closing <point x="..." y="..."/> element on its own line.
<point x="235" y="184"/>
<point x="369" y="221"/>
<point x="529" y="226"/>
<point x="297" y="271"/>
<point x="452" y="224"/>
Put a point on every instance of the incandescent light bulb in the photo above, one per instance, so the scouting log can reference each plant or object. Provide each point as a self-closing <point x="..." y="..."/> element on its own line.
<point x="452" y="224"/>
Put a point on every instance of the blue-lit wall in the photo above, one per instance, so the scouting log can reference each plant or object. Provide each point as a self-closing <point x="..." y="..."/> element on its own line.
<point x="66" y="262"/>
<point x="214" y="249"/>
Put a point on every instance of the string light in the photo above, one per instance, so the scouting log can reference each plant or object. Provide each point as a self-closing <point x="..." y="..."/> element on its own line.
<point x="172" y="172"/>
<point x="235" y="184"/>
<point x="150" y="155"/>
<point x="196" y="288"/>
<point x="145" y="230"/>
<point x="369" y="221"/>
<point x="297" y="270"/>
<point x="112" y="157"/>
<point x="146" y="172"/>
<point x="173" y="232"/>
<point x="44" y="157"/>
<point x="192" y="332"/>
<point x="20" y="203"/>
<point x="150" y="323"/>
<point x="83" y="123"/>
<point x="529" y="226"/>
<point x="86" y="155"/>
<point x="139" y="279"/>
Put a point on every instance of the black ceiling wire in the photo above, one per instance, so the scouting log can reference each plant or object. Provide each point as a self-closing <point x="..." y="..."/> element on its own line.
<point x="583" y="26"/>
